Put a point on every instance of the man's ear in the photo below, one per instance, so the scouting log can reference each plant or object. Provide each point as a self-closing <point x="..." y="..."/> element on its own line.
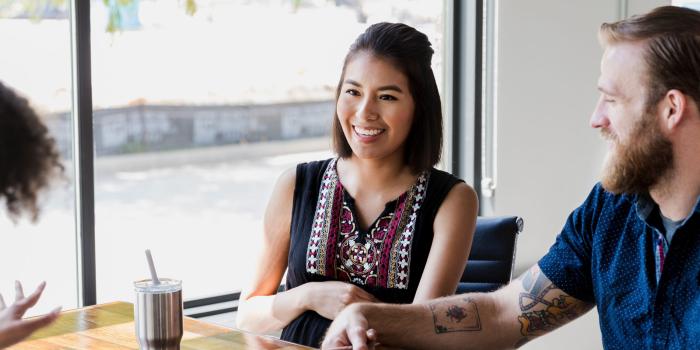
<point x="673" y="107"/>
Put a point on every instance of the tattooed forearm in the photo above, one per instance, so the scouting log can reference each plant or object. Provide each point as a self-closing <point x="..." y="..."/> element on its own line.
<point x="560" y="311"/>
<point x="544" y="307"/>
<point x="455" y="316"/>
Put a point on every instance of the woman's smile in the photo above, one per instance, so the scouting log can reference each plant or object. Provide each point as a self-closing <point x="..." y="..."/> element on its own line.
<point x="367" y="134"/>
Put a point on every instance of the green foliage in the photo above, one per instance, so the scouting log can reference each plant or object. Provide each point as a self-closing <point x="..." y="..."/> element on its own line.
<point x="190" y="7"/>
<point x="32" y="8"/>
<point x="114" y="17"/>
<point x="114" y="23"/>
<point x="36" y="8"/>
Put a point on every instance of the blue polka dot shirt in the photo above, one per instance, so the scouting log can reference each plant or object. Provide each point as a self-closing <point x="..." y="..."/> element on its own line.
<point x="605" y="254"/>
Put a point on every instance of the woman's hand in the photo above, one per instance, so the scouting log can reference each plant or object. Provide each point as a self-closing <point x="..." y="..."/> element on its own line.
<point x="329" y="298"/>
<point x="12" y="327"/>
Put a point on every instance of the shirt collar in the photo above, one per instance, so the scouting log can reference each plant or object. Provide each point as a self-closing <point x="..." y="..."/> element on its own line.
<point x="645" y="206"/>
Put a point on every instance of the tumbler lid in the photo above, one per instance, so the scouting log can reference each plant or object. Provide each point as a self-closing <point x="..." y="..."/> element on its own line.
<point x="166" y="285"/>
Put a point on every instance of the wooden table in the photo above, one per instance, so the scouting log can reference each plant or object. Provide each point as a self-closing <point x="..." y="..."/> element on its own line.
<point x="111" y="327"/>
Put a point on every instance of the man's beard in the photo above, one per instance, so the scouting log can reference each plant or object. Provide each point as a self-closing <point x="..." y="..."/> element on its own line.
<point x="639" y="164"/>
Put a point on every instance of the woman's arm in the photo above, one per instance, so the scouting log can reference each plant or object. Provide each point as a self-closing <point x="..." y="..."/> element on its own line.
<point x="452" y="240"/>
<point x="262" y="309"/>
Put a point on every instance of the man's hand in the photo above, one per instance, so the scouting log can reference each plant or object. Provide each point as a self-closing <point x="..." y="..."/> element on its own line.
<point x="350" y="330"/>
<point x="12" y="327"/>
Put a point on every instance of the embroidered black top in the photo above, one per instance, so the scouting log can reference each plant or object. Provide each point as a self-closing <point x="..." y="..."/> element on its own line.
<point x="386" y="260"/>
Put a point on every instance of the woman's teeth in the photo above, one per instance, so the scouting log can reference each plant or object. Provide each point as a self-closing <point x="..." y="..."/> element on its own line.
<point x="367" y="132"/>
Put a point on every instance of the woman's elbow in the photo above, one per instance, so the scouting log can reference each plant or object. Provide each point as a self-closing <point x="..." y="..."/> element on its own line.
<point x="242" y="321"/>
<point x="252" y="318"/>
<point x="245" y="320"/>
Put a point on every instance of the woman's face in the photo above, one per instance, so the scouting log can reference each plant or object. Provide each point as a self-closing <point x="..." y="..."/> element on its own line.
<point x="375" y="107"/>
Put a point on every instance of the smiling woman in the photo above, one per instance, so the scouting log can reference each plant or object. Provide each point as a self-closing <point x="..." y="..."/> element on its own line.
<point x="190" y="138"/>
<point x="378" y="223"/>
<point x="375" y="108"/>
<point x="398" y="70"/>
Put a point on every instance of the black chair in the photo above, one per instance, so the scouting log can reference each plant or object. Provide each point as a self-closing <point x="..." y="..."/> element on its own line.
<point x="490" y="263"/>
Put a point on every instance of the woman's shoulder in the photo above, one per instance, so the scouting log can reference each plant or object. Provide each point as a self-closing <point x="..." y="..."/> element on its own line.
<point x="314" y="166"/>
<point x="442" y="177"/>
<point x="442" y="183"/>
<point x="309" y="174"/>
<point x="303" y="172"/>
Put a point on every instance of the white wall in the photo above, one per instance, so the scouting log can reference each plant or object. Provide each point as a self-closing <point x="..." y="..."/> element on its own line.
<point x="548" y="157"/>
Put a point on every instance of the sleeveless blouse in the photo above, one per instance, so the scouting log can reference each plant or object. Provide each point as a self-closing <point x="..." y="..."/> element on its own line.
<point x="326" y="243"/>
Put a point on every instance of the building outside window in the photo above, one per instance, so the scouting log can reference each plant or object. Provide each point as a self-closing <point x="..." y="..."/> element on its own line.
<point x="198" y="107"/>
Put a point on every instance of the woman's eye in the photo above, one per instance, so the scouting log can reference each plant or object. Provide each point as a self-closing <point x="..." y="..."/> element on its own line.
<point x="352" y="92"/>
<point x="388" y="98"/>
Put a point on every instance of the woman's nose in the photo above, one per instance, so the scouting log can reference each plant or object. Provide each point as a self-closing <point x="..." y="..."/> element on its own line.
<point x="368" y="109"/>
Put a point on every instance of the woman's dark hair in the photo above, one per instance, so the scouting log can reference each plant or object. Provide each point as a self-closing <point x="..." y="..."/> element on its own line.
<point x="410" y="52"/>
<point x="28" y="156"/>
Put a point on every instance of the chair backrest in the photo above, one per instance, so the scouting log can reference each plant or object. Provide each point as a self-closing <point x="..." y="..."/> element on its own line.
<point x="490" y="263"/>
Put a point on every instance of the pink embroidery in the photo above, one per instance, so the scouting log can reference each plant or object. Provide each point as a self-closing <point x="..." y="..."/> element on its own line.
<point x="339" y="250"/>
<point x="318" y="240"/>
<point x="400" y="261"/>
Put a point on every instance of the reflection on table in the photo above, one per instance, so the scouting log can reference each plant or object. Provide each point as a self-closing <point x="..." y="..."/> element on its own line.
<point x="111" y="326"/>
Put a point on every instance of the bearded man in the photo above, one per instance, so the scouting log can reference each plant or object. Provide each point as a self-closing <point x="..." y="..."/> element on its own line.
<point x="632" y="248"/>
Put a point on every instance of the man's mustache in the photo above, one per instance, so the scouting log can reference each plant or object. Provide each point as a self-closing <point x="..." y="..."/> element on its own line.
<point x="608" y="135"/>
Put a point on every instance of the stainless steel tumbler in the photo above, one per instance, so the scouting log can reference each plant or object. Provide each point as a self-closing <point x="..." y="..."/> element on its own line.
<point x="158" y="314"/>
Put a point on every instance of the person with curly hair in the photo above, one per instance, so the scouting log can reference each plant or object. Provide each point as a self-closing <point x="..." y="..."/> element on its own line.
<point x="28" y="162"/>
<point x="28" y="155"/>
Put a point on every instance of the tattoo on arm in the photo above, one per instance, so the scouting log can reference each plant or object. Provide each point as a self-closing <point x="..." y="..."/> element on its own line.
<point x="544" y="306"/>
<point x="455" y="316"/>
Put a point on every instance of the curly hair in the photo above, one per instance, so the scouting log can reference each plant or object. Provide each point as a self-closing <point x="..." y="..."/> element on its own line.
<point x="28" y="155"/>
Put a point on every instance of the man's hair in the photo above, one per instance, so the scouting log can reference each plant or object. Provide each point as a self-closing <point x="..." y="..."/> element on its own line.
<point x="410" y="52"/>
<point x="28" y="156"/>
<point x="672" y="39"/>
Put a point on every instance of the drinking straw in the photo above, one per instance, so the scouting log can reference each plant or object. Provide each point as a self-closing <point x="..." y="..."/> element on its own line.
<point x="152" y="267"/>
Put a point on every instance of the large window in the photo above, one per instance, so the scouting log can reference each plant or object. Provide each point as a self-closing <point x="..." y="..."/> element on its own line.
<point x="197" y="111"/>
<point x="693" y="4"/>
<point x="35" y="61"/>
<point x="198" y="106"/>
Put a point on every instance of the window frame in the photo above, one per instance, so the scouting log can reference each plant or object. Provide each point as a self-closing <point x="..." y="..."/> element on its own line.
<point x="83" y="151"/>
<point x="463" y="124"/>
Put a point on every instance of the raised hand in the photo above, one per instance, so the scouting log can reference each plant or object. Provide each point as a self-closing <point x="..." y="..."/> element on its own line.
<point x="12" y="327"/>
